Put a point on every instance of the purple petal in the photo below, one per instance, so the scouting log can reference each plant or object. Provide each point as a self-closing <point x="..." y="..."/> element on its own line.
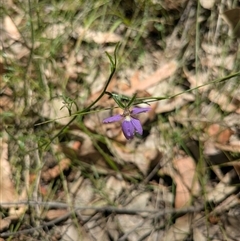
<point x="112" y="119"/>
<point x="128" y="129"/>
<point x="137" y="125"/>
<point x="137" y="110"/>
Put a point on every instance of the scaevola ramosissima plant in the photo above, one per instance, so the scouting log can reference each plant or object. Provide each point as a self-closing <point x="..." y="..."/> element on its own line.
<point x="130" y="123"/>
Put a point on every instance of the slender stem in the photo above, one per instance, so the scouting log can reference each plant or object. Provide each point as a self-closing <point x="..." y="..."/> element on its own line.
<point x="113" y="69"/>
<point x="26" y="77"/>
<point x="157" y="98"/>
<point x="142" y="99"/>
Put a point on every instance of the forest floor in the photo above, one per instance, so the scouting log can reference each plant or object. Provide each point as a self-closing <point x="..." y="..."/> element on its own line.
<point x="68" y="65"/>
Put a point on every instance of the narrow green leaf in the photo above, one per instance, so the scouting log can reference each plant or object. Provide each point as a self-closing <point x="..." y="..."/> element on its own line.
<point x="132" y="100"/>
<point x="118" y="101"/>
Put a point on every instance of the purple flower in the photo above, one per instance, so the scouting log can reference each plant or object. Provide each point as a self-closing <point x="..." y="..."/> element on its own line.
<point x="130" y="122"/>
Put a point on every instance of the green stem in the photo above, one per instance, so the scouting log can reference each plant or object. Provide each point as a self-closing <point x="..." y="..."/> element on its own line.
<point x="87" y="109"/>
<point x="30" y="56"/>
<point x="156" y="98"/>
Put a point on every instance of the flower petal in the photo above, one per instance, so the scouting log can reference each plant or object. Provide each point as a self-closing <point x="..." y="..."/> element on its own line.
<point x="112" y="119"/>
<point x="128" y="129"/>
<point x="137" y="125"/>
<point x="137" y="110"/>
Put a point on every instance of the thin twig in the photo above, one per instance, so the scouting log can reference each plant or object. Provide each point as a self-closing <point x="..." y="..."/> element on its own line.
<point x="154" y="213"/>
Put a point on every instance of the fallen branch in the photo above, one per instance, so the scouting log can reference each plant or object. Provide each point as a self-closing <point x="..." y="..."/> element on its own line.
<point x="154" y="213"/>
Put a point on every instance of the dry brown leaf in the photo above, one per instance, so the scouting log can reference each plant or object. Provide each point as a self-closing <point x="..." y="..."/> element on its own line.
<point x="215" y="61"/>
<point x="231" y="223"/>
<point x="172" y="4"/>
<point x="85" y="151"/>
<point x="222" y="189"/>
<point x="7" y="190"/>
<point x="4" y="223"/>
<point x="6" y="103"/>
<point x="211" y="49"/>
<point x="53" y="214"/>
<point x="72" y="232"/>
<point x="97" y="36"/>
<point x="183" y="196"/>
<point x="184" y="175"/>
<point x="227" y="204"/>
<point x="132" y="156"/>
<point x="219" y="134"/>
<point x="186" y="182"/>
<point x="233" y="148"/>
<point x="222" y="100"/>
<point x="97" y="232"/>
<point x="84" y="195"/>
<point x="174" y="103"/>
<point x="208" y="4"/>
<point x="224" y="136"/>
<point x="210" y="148"/>
<point x="235" y="164"/>
<point x="113" y="229"/>
<point x="140" y="201"/>
<point x="232" y="17"/>
<point x="56" y="171"/>
<point x="11" y="29"/>
<point x="133" y="224"/>
<point x="201" y="79"/>
<point x="114" y="187"/>
<point x="160" y="74"/>
<point x="198" y="235"/>
<point x="83" y="147"/>
<point x="180" y="230"/>
<point x="142" y="156"/>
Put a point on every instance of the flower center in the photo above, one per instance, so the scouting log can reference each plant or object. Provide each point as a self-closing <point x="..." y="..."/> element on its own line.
<point x="128" y="118"/>
<point x="126" y="113"/>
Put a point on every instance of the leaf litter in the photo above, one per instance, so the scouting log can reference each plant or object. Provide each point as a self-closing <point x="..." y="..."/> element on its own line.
<point x="178" y="182"/>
